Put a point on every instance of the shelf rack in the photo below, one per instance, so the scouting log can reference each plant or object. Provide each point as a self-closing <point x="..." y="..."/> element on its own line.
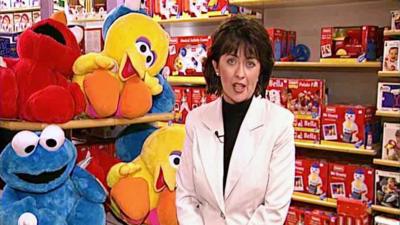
<point x="379" y="208"/>
<point x="388" y="114"/>
<point x="384" y="162"/>
<point x="16" y="10"/>
<point x="197" y="21"/>
<point x="389" y="74"/>
<point x="313" y="199"/>
<point x="334" y="148"/>
<point x="87" y="123"/>
<point x="263" y="4"/>
<point x="391" y="33"/>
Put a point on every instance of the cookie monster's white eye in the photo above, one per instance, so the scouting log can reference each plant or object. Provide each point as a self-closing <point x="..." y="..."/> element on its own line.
<point x="175" y="159"/>
<point x="52" y="138"/>
<point x="24" y="143"/>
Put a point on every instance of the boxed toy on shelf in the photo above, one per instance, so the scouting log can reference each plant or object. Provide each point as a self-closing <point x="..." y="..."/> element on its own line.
<point x="391" y="60"/>
<point x="320" y="217"/>
<point x="350" y="212"/>
<point x="388" y="97"/>
<point x="22" y="21"/>
<point x="381" y="220"/>
<point x="165" y="9"/>
<point x="295" y="216"/>
<point x="395" y="20"/>
<point x="8" y="44"/>
<point x="387" y="188"/>
<point x="351" y="181"/>
<point x="353" y="44"/>
<point x="183" y="101"/>
<point x="311" y="176"/>
<point x="186" y="55"/>
<point x="7" y="23"/>
<point x="278" y="41"/>
<point x="391" y="142"/>
<point x="349" y="126"/>
<point x="304" y="98"/>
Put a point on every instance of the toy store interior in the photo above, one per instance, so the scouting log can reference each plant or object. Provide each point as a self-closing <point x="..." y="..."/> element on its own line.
<point x="337" y="69"/>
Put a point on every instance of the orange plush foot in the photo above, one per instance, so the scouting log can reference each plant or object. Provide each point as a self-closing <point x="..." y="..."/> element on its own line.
<point x="102" y="92"/>
<point x="166" y="209"/>
<point x="131" y="196"/>
<point x="53" y="104"/>
<point x="136" y="99"/>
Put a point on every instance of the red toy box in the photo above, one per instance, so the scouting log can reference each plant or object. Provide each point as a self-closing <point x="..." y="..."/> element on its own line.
<point x="352" y="44"/>
<point x="183" y="101"/>
<point x="349" y="125"/>
<point x="295" y="216"/>
<point x="319" y="217"/>
<point x="277" y="91"/>
<point x="307" y="136"/>
<point x="198" y="97"/>
<point x="311" y="176"/>
<point x="291" y="43"/>
<point x="352" y="181"/>
<point x="277" y="38"/>
<point x="165" y="9"/>
<point x="352" y="212"/>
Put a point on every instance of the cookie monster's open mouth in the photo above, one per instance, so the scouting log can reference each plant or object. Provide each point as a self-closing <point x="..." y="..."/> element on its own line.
<point x="128" y="70"/>
<point x="42" y="178"/>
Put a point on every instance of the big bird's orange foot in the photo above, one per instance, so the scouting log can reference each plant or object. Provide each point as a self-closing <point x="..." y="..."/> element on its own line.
<point x="102" y="91"/>
<point x="135" y="100"/>
<point x="130" y="200"/>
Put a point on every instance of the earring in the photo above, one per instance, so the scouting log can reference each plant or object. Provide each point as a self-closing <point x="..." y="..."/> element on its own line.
<point x="216" y="73"/>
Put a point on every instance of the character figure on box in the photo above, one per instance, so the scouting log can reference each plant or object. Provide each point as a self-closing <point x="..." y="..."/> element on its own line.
<point x="392" y="148"/>
<point x="275" y="96"/>
<point x="390" y="62"/>
<point x="198" y="7"/>
<point x="350" y="128"/>
<point x="169" y="8"/>
<point x="359" y="189"/>
<point x="314" y="180"/>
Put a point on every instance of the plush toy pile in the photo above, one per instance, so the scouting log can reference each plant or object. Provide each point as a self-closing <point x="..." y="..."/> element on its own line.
<point x="143" y="191"/>
<point x="43" y="185"/>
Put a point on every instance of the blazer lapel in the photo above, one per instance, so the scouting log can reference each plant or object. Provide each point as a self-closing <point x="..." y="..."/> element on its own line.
<point x="212" y="149"/>
<point x="246" y="143"/>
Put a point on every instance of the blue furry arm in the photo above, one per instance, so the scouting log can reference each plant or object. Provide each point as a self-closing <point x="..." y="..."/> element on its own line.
<point x="88" y="186"/>
<point x="8" y="197"/>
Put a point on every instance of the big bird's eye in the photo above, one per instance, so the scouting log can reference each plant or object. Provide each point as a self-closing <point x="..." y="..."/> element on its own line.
<point x="24" y="143"/>
<point x="52" y="138"/>
<point x="175" y="159"/>
<point x="144" y="48"/>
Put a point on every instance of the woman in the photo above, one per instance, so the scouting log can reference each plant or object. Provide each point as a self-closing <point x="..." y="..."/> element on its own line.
<point x="237" y="166"/>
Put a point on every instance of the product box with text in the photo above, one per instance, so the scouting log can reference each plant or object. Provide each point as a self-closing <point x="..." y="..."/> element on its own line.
<point x="388" y="97"/>
<point x="391" y="59"/>
<point x="349" y="125"/>
<point x="311" y="176"/>
<point x="186" y="55"/>
<point x="277" y="37"/>
<point x="183" y="101"/>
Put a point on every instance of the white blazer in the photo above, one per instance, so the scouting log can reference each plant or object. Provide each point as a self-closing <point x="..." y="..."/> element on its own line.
<point x="260" y="179"/>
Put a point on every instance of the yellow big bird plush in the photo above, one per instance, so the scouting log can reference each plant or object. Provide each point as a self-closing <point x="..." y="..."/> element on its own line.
<point x="121" y="79"/>
<point x="139" y="188"/>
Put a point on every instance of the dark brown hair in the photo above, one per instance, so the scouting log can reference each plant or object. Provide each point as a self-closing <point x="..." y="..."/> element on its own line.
<point x="239" y="31"/>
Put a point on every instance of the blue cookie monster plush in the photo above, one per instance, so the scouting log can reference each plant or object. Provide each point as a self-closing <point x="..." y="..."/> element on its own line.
<point x="43" y="185"/>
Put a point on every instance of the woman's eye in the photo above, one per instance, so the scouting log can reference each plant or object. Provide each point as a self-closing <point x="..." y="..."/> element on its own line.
<point x="231" y="61"/>
<point x="251" y="64"/>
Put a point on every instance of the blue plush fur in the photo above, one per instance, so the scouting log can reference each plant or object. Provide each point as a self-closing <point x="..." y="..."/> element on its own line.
<point x="70" y="197"/>
<point x="164" y="102"/>
<point x="129" y="143"/>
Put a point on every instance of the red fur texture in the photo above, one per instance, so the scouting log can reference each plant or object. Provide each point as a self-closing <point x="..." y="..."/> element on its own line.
<point x="43" y="91"/>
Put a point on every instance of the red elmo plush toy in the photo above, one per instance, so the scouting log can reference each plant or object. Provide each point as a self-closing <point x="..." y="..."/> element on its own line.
<point x="36" y="86"/>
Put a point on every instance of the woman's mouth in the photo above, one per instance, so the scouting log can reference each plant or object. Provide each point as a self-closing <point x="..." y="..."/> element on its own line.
<point x="239" y="88"/>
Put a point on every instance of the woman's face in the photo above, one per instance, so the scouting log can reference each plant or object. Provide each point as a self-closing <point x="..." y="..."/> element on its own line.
<point x="239" y="76"/>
